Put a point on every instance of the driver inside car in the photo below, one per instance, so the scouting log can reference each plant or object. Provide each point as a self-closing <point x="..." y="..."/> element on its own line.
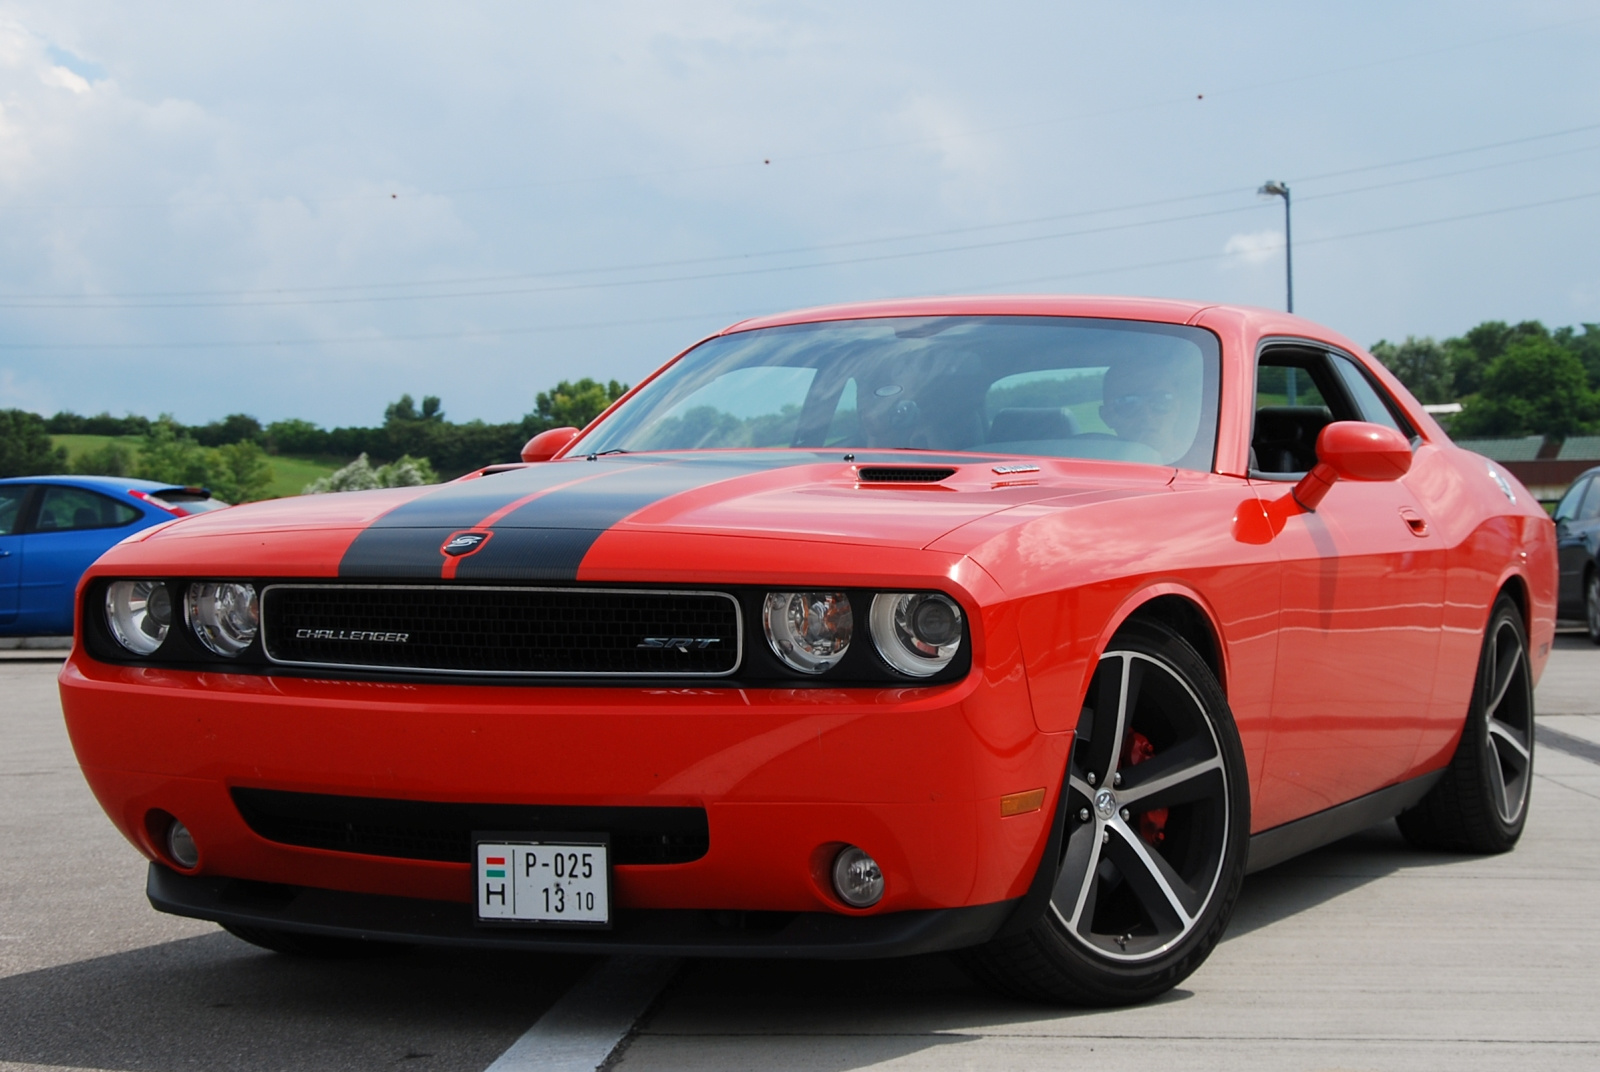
<point x="1154" y="400"/>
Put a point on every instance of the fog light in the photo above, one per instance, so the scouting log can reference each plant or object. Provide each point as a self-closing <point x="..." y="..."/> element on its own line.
<point x="857" y="878"/>
<point x="181" y="846"/>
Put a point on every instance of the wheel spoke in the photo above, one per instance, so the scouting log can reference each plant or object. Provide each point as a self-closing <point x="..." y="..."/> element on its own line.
<point x="1502" y="737"/>
<point x="1497" y="785"/>
<point x="1506" y="665"/>
<point x="1170" y="777"/>
<point x="1073" y="896"/>
<point x="1157" y="886"/>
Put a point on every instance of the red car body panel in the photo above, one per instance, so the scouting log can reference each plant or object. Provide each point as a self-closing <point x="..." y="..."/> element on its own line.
<point x="1320" y="623"/>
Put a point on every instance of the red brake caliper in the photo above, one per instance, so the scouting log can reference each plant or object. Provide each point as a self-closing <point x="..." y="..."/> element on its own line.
<point x="1153" y="823"/>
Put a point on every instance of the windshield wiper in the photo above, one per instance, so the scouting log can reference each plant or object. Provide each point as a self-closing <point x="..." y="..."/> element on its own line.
<point x="603" y="453"/>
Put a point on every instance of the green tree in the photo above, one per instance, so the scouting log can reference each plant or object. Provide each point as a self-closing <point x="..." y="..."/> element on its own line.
<point x="25" y="446"/>
<point x="113" y="459"/>
<point x="1422" y="365"/>
<point x="234" y="428"/>
<point x="238" y="472"/>
<point x="296" y="436"/>
<point x="1535" y="387"/>
<point x="575" y="404"/>
<point x="1586" y="347"/>
<point x="171" y="455"/>
<point x="1471" y="354"/>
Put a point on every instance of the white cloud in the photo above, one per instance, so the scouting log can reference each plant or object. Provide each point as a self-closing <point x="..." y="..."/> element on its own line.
<point x="1255" y="247"/>
<point x="65" y="79"/>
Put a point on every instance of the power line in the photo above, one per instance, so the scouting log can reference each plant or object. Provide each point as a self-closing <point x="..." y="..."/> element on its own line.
<point x="76" y="301"/>
<point x="1299" y="243"/>
<point x="1087" y="273"/>
<point x="347" y="340"/>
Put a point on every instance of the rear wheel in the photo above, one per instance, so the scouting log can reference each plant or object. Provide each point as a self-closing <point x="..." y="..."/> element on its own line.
<point x="1481" y="802"/>
<point x="1158" y="817"/>
<point x="319" y="946"/>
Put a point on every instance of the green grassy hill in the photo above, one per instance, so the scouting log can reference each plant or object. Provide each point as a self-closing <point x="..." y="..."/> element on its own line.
<point x="290" y="473"/>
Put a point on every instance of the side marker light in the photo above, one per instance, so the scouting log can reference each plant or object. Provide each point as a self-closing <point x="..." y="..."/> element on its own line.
<point x="1021" y="803"/>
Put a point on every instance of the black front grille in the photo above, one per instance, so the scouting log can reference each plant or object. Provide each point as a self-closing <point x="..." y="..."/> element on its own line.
<point x="460" y="629"/>
<point x="424" y="830"/>
<point x="903" y="474"/>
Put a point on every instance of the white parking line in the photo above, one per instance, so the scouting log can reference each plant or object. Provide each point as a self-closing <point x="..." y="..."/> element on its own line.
<point x="580" y="1031"/>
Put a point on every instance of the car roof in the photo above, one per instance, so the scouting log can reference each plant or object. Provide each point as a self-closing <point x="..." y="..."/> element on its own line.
<point x="1159" y="309"/>
<point x="102" y="483"/>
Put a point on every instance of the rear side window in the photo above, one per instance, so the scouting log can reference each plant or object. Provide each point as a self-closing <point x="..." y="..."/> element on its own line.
<point x="1567" y="508"/>
<point x="62" y="509"/>
<point x="1374" y="408"/>
<point x="11" y="496"/>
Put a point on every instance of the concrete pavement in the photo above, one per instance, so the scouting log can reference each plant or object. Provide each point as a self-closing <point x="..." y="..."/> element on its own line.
<point x="1365" y="955"/>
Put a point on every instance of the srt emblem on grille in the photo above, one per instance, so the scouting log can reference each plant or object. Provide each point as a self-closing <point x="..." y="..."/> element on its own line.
<point x="683" y="644"/>
<point x="464" y="543"/>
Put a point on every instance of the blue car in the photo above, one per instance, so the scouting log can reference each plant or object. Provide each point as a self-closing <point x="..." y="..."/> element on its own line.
<point x="53" y="527"/>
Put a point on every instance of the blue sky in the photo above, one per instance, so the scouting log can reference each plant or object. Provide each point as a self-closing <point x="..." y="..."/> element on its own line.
<point x="307" y="209"/>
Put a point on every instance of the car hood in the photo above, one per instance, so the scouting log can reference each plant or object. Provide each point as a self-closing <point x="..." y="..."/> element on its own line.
<point x="542" y="521"/>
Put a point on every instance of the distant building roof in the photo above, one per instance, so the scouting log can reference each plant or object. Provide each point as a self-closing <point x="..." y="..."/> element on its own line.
<point x="1580" y="448"/>
<point x="1507" y="449"/>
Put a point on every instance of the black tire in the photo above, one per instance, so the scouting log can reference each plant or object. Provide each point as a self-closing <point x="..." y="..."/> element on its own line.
<point x="1132" y="921"/>
<point x="1591" y="604"/>
<point x="1481" y="802"/>
<point x="314" y="946"/>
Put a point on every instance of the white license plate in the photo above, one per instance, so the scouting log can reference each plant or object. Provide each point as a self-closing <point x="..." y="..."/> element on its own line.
<point x="543" y="879"/>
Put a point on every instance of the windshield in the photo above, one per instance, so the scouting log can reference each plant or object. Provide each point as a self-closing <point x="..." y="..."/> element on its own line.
<point x="1065" y="387"/>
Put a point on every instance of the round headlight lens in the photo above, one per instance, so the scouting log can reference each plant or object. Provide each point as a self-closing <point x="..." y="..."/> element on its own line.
<point x="223" y="615"/>
<point x="917" y="633"/>
<point x="809" y="631"/>
<point x="139" y="613"/>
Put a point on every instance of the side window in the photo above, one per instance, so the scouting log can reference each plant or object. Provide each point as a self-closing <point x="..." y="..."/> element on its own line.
<point x="1297" y="396"/>
<point x="11" y="497"/>
<point x="1373" y="406"/>
<point x="1567" y="508"/>
<point x="63" y="508"/>
<point x="1591" y="502"/>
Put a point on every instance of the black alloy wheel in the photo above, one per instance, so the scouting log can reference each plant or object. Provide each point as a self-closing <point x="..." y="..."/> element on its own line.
<point x="1591" y="605"/>
<point x="1157" y="834"/>
<point x="1481" y="802"/>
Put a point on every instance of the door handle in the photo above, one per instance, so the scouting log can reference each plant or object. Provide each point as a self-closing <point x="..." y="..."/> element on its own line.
<point x="5" y="554"/>
<point x="1414" y="521"/>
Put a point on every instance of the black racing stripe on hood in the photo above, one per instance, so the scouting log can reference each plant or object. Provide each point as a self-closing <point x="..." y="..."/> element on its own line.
<point x="544" y="539"/>
<point x="405" y="541"/>
<point x="525" y="538"/>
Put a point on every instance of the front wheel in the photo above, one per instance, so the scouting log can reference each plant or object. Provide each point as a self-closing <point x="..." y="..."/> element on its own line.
<point x="1158" y="822"/>
<point x="1481" y="802"/>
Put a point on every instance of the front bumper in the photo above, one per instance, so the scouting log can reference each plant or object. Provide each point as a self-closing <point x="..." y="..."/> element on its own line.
<point x="680" y="932"/>
<point x="785" y="776"/>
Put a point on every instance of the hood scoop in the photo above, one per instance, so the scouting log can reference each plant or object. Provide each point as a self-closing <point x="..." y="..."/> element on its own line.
<point x="903" y="474"/>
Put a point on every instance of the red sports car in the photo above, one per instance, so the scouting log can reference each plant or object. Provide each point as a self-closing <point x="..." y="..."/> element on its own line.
<point x="1017" y="626"/>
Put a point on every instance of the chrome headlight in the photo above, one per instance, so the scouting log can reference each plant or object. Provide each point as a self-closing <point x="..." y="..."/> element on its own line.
<point x="917" y="633"/>
<point x="809" y="631"/>
<point x="139" y="613"/>
<point x="223" y="615"/>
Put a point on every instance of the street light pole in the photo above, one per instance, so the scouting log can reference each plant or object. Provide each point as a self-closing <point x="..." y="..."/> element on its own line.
<point x="1278" y="189"/>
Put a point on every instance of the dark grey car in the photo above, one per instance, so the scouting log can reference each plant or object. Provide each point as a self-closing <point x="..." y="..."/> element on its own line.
<point x="1578" y="540"/>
